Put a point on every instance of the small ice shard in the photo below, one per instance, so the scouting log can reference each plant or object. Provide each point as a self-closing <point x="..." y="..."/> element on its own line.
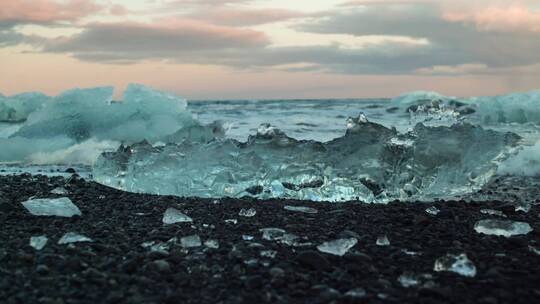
<point x="59" y="191"/>
<point x="492" y="212"/>
<point x="231" y="221"/>
<point x="246" y="237"/>
<point x="268" y="254"/>
<point x="159" y="246"/>
<point x="523" y="207"/>
<point x="301" y="209"/>
<point x="459" y="264"/>
<point x="272" y="234"/>
<point x="38" y="242"/>
<point x="251" y="262"/>
<point x="433" y="210"/>
<point x="173" y="216"/>
<point x="409" y="252"/>
<point x="52" y="207"/>
<point x="247" y="212"/>
<point x="534" y="249"/>
<point x="290" y="239"/>
<point x="191" y="241"/>
<point x="408" y="279"/>
<point x="356" y="293"/>
<point x="210" y="243"/>
<point x="72" y="237"/>
<point x="337" y="247"/>
<point x="382" y="241"/>
<point x="504" y="228"/>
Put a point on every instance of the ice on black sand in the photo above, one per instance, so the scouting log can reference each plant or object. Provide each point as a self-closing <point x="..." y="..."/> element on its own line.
<point x="459" y="264"/>
<point x="337" y="247"/>
<point x="52" y="207"/>
<point x="504" y="228"/>
<point x="173" y="216"/>
<point x="38" y="242"/>
<point x="72" y="237"/>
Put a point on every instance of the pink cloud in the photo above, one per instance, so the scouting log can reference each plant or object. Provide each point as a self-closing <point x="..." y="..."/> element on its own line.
<point x="245" y="17"/>
<point x="46" y="11"/>
<point x="498" y="18"/>
<point x="118" y="10"/>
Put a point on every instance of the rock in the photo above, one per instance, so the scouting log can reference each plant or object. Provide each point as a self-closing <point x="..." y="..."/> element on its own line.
<point x="312" y="259"/>
<point x="161" y="266"/>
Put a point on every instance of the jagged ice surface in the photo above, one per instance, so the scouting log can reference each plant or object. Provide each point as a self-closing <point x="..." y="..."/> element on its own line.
<point x="369" y="163"/>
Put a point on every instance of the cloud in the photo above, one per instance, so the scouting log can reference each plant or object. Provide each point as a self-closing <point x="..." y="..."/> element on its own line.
<point x="163" y="40"/>
<point x="243" y="16"/>
<point x="46" y="11"/>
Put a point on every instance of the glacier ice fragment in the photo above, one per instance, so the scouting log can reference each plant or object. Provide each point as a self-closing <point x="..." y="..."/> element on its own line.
<point x="506" y="228"/>
<point x="459" y="264"/>
<point x="38" y="242"/>
<point x="356" y="293"/>
<point x="52" y="207"/>
<point x="492" y="212"/>
<point x="272" y="234"/>
<point x="268" y="254"/>
<point x="337" y="247"/>
<point x="211" y="243"/>
<point x="301" y="209"/>
<point x="364" y="165"/>
<point x="382" y="241"/>
<point x="72" y="237"/>
<point x="433" y="210"/>
<point x="191" y="241"/>
<point x="59" y="191"/>
<point x="246" y="237"/>
<point x="173" y="216"/>
<point x="247" y="212"/>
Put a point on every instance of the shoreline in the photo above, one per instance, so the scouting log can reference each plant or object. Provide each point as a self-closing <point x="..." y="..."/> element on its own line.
<point x="115" y="268"/>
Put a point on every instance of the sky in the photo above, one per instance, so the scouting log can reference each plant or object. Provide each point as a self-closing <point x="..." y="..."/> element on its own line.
<point x="266" y="49"/>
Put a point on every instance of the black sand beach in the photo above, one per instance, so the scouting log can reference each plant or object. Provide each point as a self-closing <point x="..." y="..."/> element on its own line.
<point x="115" y="268"/>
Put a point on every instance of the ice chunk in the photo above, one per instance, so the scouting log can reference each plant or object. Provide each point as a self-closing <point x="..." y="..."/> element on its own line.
<point x="38" y="242"/>
<point x="356" y="293"/>
<point x="72" y="237"/>
<point x="52" y="207"/>
<point x="59" y="191"/>
<point x="459" y="264"/>
<point x="504" y="228"/>
<point x="191" y="241"/>
<point x="337" y="247"/>
<point x="408" y="279"/>
<point x="247" y="212"/>
<point x="231" y="221"/>
<point x="363" y="164"/>
<point x="383" y="241"/>
<point x="268" y="254"/>
<point x="246" y="237"/>
<point x="17" y="108"/>
<point x="526" y="162"/>
<point x="534" y="249"/>
<point x="301" y="209"/>
<point x="173" y="216"/>
<point x="433" y="210"/>
<point x="492" y="212"/>
<point x="210" y="243"/>
<point x="272" y="234"/>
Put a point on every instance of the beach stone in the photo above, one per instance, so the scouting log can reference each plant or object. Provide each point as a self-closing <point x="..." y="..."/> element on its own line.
<point x="313" y="259"/>
<point x="161" y="266"/>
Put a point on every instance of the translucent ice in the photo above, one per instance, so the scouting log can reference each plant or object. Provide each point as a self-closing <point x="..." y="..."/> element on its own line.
<point x="210" y="243"/>
<point x="506" y="228"/>
<point x="459" y="264"/>
<point x="382" y="241"/>
<point x="337" y="247"/>
<point x="191" y="241"/>
<point x="268" y="254"/>
<point x="72" y="237"/>
<point x="38" y="242"/>
<point x="59" y="191"/>
<point x="364" y="164"/>
<point x="17" y="108"/>
<point x="433" y="210"/>
<point x="272" y="234"/>
<point x="247" y="212"/>
<point x="173" y="216"/>
<point x="301" y="209"/>
<point x="492" y="212"/>
<point x="52" y="207"/>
